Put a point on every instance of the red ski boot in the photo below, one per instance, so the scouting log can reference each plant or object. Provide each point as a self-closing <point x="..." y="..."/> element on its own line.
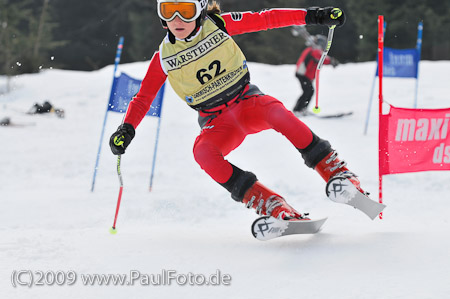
<point x="331" y="168"/>
<point x="343" y="186"/>
<point x="268" y="203"/>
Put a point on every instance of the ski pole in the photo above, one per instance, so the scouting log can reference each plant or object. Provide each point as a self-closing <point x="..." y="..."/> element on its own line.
<point x="335" y="13"/>
<point x="113" y="230"/>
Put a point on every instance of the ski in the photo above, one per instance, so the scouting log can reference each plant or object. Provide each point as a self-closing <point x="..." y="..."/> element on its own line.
<point x="6" y="122"/>
<point x="335" y="115"/>
<point x="341" y="190"/>
<point x="266" y="227"/>
<point x="32" y="111"/>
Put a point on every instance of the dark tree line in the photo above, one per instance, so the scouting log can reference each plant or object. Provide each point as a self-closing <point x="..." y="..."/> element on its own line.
<point x="83" y="34"/>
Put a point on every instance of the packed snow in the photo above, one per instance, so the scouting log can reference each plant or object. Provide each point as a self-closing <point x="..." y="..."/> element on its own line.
<point x="51" y="223"/>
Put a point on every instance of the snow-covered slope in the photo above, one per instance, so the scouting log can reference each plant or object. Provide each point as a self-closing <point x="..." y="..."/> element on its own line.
<point x="50" y="221"/>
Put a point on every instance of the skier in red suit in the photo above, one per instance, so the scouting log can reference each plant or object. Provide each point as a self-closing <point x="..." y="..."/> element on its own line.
<point x="207" y="70"/>
<point x="306" y="71"/>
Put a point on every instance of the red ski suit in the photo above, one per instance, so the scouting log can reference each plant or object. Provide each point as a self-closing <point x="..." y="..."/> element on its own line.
<point x="245" y="114"/>
<point x="308" y="61"/>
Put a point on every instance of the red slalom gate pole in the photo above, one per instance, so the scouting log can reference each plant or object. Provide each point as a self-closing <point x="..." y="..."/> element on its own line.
<point x="316" y="107"/>
<point x="380" y="103"/>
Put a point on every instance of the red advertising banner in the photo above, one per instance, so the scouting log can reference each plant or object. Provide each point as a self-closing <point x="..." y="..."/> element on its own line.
<point x="413" y="140"/>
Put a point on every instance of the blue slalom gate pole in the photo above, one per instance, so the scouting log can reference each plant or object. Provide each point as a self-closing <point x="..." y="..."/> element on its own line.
<point x="419" y="50"/>
<point x="157" y="139"/>
<point x="369" y="108"/>
<point x="116" y="63"/>
<point x="154" y="154"/>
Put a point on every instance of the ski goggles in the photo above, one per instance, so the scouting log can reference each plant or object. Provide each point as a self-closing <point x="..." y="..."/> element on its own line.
<point x="187" y="10"/>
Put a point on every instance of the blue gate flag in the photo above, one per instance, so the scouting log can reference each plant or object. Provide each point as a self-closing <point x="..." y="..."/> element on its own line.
<point x="124" y="88"/>
<point x="401" y="63"/>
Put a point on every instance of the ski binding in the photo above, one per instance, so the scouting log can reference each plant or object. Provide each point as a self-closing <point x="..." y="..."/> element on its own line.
<point x="267" y="227"/>
<point x="339" y="189"/>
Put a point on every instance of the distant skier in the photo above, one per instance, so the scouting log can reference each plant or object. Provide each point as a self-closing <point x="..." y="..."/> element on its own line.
<point x="207" y="69"/>
<point x="306" y="71"/>
<point x="46" y="107"/>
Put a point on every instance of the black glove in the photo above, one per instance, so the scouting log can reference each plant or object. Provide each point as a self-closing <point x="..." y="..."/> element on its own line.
<point x="328" y="16"/>
<point x="121" y="139"/>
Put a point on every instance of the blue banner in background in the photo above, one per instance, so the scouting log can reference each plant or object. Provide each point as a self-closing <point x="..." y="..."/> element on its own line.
<point x="400" y="63"/>
<point x="124" y="89"/>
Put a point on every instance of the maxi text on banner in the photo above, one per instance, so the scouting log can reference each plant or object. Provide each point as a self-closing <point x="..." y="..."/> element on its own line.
<point x="414" y="140"/>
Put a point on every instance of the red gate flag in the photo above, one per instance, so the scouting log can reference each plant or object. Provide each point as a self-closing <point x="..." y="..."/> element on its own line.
<point x="414" y="140"/>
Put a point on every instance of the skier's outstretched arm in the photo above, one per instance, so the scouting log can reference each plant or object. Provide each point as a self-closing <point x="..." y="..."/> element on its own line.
<point x="245" y="22"/>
